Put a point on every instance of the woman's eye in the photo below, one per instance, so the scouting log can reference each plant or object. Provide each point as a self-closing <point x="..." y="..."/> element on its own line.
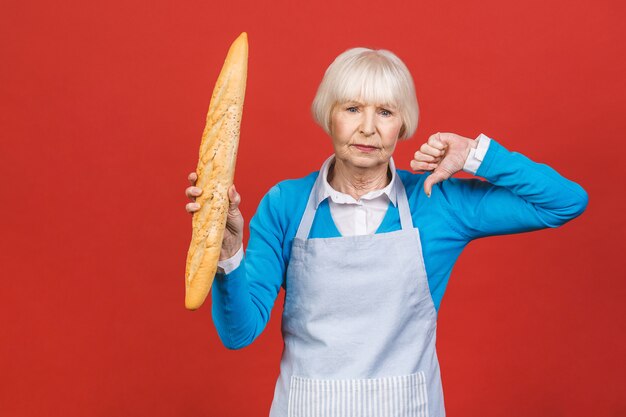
<point x="352" y="109"/>
<point x="385" y="113"/>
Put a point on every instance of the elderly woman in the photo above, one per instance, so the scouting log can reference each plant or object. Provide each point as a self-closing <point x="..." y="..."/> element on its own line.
<point x="364" y="251"/>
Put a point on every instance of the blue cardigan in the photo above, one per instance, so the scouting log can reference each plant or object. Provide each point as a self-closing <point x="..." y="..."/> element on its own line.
<point x="519" y="196"/>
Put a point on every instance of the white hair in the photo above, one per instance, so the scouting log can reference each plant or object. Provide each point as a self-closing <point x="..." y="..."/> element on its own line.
<point x="369" y="76"/>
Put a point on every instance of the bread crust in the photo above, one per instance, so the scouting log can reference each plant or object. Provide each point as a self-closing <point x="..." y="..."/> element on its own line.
<point x="216" y="169"/>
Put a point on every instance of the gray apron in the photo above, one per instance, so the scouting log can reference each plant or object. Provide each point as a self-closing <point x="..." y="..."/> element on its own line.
<point x="359" y="325"/>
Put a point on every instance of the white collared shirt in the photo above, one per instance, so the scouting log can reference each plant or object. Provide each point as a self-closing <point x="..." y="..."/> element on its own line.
<point x="362" y="217"/>
<point x="357" y="217"/>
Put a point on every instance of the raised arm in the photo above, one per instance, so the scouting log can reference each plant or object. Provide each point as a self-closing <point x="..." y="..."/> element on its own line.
<point x="244" y="296"/>
<point x="519" y="195"/>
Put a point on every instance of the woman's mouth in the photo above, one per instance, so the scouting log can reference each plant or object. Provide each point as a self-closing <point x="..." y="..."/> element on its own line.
<point x="365" y="148"/>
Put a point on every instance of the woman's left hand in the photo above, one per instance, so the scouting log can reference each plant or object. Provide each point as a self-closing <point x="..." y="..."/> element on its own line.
<point x="444" y="154"/>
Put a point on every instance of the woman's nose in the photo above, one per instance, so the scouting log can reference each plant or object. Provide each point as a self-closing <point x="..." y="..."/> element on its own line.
<point x="367" y="127"/>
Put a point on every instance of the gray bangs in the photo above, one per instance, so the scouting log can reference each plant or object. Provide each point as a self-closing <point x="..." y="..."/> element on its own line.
<point x="368" y="82"/>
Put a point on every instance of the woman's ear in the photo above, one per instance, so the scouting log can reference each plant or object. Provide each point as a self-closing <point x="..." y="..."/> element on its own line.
<point x="330" y="119"/>
<point x="402" y="132"/>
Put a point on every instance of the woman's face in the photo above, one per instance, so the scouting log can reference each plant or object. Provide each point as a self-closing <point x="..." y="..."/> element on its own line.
<point x="364" y="135"/>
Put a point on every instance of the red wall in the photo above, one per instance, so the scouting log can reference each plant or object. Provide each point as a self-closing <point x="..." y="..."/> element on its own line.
<point x="103" y="106"/>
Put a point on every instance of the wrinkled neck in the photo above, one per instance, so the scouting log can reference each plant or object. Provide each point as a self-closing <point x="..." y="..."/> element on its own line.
<point x="355" y="181"/>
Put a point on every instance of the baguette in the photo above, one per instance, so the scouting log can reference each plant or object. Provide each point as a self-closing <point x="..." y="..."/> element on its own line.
<point x="216" y="169"/>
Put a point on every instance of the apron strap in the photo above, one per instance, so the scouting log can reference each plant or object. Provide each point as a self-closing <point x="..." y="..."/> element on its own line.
<point x="406" y="220"/>
<point x="309" y="212"/>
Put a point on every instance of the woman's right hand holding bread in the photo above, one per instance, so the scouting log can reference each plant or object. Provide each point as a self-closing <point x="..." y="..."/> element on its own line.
<point x="233" y="233"/>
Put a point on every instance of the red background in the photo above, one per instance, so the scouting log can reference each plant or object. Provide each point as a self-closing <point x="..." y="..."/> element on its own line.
<point x="103" y="106"/>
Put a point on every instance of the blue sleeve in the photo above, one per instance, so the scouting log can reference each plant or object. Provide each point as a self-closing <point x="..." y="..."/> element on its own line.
<point x="243" y="299"/>
<point x="519" y="196"/>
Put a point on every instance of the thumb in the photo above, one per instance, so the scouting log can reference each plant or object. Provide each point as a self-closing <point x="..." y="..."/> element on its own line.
<point x="234" y="199"/>
<point x="434" y="178"/>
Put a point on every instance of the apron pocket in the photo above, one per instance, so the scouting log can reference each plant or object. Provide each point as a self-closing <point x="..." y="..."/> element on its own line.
<point x="397" y="396"/>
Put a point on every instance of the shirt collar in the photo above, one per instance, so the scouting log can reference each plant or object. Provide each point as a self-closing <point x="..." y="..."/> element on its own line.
<point x="324" y="190"/>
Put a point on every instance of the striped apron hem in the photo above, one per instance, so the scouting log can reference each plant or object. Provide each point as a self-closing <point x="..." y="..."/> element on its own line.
<point x="398" y="396"/>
